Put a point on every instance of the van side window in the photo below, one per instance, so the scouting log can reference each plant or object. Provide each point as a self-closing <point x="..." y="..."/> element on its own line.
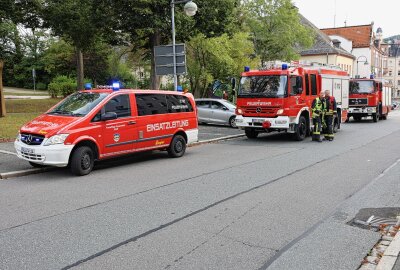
<point x="149" y="104"/>
<point x="296" y="83"/>
<point x="120" y="105"/>
<point x="313" y="84"/>
<point x="178" y="104"/>
<point x="97" y="117"/>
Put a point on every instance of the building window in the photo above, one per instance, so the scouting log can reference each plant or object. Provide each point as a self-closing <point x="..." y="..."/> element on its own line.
<point x="390" y="73"/>
<point x="398" y="82"/>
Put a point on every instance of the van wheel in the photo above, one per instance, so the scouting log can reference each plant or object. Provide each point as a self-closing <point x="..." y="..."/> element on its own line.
<point x="232" y="122"/>
<point x="177" y="147"/>
<point x="301" y="129"/>
<point x="251" y="133"/>
<point x="82" y="161"/>
<point x="36" y="165"/>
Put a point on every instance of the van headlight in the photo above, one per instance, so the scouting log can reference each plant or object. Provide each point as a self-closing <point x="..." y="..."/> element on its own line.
<point x="18" y="139"/>
<point x="56" y="139"/>
<point x="280" y="111"/>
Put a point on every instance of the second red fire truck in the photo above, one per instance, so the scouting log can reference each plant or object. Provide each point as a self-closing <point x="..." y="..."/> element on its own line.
<point x="369" y="97"/>
<point x="279" y="98"/>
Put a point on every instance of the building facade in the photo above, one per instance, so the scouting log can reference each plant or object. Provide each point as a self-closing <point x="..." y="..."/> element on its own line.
<point x="327" y="51"/>
<point x="371" y="53"/>
<point x="393" y="74"/>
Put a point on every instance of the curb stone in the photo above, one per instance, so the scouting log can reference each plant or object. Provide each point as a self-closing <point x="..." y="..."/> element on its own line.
<point x="217" y="140"/>
<point x="8" y="175"/>
<point x="391" y="254"/>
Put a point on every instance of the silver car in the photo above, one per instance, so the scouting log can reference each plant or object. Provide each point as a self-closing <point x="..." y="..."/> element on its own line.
<point x="216" y="111"/>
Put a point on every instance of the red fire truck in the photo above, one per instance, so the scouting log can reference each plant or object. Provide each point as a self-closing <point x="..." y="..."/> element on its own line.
<point x="369" y="97"/>
<point x="280" y="98"/>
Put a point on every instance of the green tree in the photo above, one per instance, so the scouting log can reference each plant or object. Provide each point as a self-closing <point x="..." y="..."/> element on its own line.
<point x="276" y="29"/>
<point x="80" y="22"/>
<point x="220" y="58"/>
<point x="148" y="23"/>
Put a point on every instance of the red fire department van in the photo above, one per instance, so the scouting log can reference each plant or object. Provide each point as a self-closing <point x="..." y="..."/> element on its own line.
<point x="280" y="98"/>
<point x="98" y="124"/>
<point x="369" y="97"/>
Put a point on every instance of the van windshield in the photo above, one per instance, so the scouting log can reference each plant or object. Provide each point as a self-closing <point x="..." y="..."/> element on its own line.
<point x="361" y="87"/>
<point x="78" y="104"/>
<point x="272" y="86"/>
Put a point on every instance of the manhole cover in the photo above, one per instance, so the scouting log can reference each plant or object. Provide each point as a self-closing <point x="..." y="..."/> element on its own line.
<point x="386" y="221"/>
<point x="375" y="218"/>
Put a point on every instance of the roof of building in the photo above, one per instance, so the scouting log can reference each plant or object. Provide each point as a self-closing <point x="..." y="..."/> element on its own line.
<point x="323" y="44"/>
<point x="360" y="35"/>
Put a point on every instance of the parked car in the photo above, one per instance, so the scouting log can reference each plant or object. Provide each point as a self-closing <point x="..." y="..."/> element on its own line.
<point x="216" y="111"/>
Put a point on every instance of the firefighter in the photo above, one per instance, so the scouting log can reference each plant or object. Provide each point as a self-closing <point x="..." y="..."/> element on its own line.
<point x="318" y="109"/>
<point x="330" y="110"/>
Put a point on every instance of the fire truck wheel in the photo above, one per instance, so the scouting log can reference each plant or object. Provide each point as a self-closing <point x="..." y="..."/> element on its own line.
<point x="232" y="122"/>
<point x="177" y="147"/>
<point x="335" y="126"/>
<point x="375" y="117"/>
<point x="82" y="161"/>
<point x="301" y="129"/>
<point x="251" y="133"/>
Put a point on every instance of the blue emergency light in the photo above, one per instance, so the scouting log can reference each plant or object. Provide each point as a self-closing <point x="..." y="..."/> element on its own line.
<point x="371" y="76"/>
<point x="284" y="66"/>
<point x="116" y="86"/>
<point x="246" y="69"/>
<point x="88" y="86"/>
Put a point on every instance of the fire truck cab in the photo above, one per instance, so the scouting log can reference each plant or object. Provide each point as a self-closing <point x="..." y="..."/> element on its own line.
<point x="280" y="98"/>
<point x="369" y="97"/>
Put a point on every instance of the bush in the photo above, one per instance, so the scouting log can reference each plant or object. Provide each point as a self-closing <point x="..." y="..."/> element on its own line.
<point x="41" y="86"/>
<point x="62" y="85"/>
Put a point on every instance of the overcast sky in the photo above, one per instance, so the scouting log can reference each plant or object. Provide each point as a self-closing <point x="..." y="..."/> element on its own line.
<point x="384" y="13"/>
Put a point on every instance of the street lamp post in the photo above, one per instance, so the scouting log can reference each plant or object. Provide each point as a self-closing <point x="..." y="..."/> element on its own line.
<point x="190" y="10"/>
<point x="365" y="63"/>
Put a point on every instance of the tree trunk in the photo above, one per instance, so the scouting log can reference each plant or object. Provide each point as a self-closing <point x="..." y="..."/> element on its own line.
<point x="80" y="74"/>
<point x="155" y="40"/>
<point x="2" y="100"/>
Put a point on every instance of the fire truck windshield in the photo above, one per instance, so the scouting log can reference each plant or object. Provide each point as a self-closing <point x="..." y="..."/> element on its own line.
<point x="361" y="87"/>
<point x="78" y="104"/>
<point x="271" y="86"/>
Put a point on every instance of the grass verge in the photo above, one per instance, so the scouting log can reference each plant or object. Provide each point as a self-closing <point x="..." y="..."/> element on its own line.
<point x="23" y="94"/>
<point x="19" y="112"/>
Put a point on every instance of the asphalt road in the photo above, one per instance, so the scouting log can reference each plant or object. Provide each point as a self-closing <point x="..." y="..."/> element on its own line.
<point x="269" y="203"/>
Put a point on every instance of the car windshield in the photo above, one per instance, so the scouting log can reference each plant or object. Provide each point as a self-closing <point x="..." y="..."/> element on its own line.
<point x="274" y="86"/>
<point x="361" y="87"/>
<point x="78" y="104"/>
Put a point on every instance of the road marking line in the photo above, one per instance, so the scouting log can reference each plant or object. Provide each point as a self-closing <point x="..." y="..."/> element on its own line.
<point x="8" y="152"/>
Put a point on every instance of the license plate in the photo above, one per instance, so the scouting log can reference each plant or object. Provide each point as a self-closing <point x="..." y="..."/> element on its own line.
<point x="258" y="120"/>
<point x="27" y="150"/>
